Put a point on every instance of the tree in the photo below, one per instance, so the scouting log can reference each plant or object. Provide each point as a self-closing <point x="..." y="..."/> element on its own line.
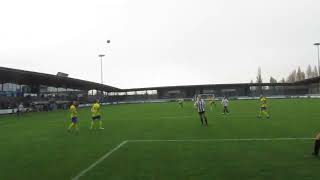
<point x="273" y="80"/>
<point x="309" y="72"/>
<point x="283" y="80"/>
<point x="315" y="71"/>
<point x="300" y="75"/>
<point x="259" y="76"/>
<point x="292" y="77"/>
<point x="259" y="80"/>
<point x="303" y="75"/>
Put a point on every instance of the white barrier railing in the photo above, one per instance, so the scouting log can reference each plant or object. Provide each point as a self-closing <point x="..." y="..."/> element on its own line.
<point x="311" y="96"/>
<point x="6" y="111"/>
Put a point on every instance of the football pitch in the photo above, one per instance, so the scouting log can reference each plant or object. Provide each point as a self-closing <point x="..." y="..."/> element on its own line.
<point x="161" y="141"/>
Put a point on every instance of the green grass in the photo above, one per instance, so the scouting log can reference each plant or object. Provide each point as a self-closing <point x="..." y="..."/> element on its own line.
<point x="37" y="145"/>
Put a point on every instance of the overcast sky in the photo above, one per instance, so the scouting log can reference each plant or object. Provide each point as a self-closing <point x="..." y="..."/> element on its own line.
<point x="160" y="42"/>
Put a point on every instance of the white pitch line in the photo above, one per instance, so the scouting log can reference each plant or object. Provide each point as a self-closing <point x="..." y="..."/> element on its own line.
<point x="174" y="117"/>
<point x="218" y="140"/>
<point x="82" y="173"/>
<point x="99" y="161"/>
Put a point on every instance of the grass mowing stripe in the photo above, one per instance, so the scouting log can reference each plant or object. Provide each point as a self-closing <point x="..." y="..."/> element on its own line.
<point x="175" y="117"/>
<point x="99" y="161"/>
<point x="82" y="173"/>
<point x="40" y="134"/>
<point x="219" y="140"/>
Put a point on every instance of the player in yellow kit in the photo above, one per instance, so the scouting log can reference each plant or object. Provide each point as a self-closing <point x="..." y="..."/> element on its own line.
<point x="74" y="117"/>
<point x="263" y="107"/>
<point x="212" y="102"/>
<point x="96" y="115"/>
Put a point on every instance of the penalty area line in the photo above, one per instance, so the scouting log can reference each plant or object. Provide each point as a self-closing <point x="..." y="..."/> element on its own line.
<point x="218" y="140"/>
<point x="82" y="173"/>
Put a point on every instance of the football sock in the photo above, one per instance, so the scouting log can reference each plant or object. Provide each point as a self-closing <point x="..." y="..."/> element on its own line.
<point x="76" y="127"/>
<point x="316" y="147"/>
<point x="92" y="124"/>
<point x="70" y="126"/>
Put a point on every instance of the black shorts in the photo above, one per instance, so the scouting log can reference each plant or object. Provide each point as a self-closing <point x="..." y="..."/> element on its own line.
<point x="263" y="108"/>
<point x="96" y="118"/>
<point x="201" y="113"/>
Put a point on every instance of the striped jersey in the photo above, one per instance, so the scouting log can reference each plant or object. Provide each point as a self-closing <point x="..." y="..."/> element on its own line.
<point x="225" y="102"/>
<point x="200" y="105"/>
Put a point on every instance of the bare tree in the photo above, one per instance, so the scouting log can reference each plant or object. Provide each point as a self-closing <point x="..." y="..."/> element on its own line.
<point x="300" y="75"/>
<point x="303" y="75"/>
<point x="309" y="72"/>
<point x="315" y="71"/>
<point x="292" y="77"/>
<point x="273" y="80"/>
<point x="259" y="80"/>
<point x="259" y="76"/>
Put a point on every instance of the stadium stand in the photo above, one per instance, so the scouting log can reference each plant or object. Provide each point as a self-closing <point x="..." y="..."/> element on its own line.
<point x="44" y="92"/>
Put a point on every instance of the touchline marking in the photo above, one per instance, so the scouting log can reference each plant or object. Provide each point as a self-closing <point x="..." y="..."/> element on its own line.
<point x="82" y="173"/>
<point x="174" y="117"/>
<point x="218" y="140"/>
<point x="99" y="161"/>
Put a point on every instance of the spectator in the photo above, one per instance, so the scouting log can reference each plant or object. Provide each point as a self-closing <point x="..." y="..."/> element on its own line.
<point x="20" y="109"/>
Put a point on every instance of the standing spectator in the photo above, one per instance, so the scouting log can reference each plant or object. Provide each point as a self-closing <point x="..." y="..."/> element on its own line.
<point x="20" y="109"/>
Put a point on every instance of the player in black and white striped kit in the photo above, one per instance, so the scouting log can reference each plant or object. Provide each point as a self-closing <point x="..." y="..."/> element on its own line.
<point x="200" y="105"/>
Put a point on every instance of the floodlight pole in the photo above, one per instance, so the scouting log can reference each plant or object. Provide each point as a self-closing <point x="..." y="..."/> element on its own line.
<point x="318" y="44"/>
<point x="101" y="67"/>
<point x="101" y="56"/>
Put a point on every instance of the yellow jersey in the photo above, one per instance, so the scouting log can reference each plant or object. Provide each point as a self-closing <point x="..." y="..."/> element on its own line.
<point x="73" y="111"/>
<point x="95" y="109"/>
<point x="263" y="102"/>
<point x="211" y="100"/>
